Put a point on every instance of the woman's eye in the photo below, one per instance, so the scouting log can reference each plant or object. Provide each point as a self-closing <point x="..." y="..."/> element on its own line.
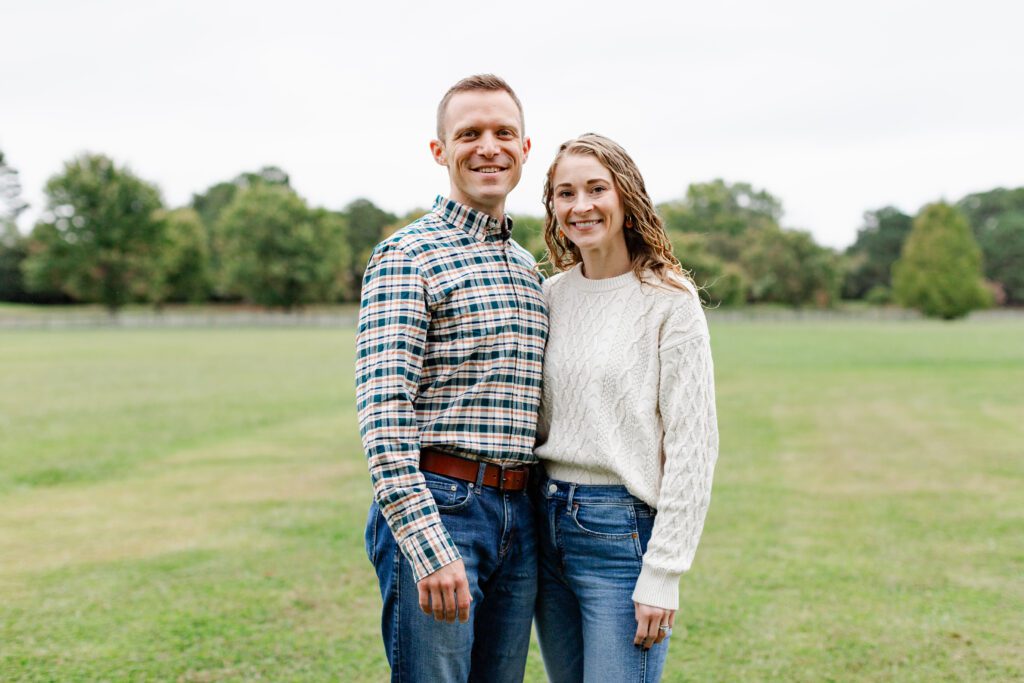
<point x="564" y="193"/>
<point x="598" y="189"/>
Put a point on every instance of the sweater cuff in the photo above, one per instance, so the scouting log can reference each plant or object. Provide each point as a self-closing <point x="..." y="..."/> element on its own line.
<point x="657" y="588"/>
<point x="428" y="550"/>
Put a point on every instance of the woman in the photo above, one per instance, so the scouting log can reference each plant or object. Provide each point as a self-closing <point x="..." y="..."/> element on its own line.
<point x="628" y="435"/>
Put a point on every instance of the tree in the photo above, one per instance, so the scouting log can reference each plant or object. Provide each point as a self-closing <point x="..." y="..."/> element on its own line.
<point x="184" y="261"/>
<point x="12" y="253"/>
<point x="876" y="248"/>
<point x="719" y="283"/>
<point x="211" y="203"/>
<point x="528" y="231"/>
<point x="997" y="220"/>
<point x="12" y="245"/>
<point x="275" y="251"/>
<point x="366" y="223"/>
<point x="939" y="271"/>
<point x="721" y="207"/>
<point x="10" y="193"/>
<point x="787" y="266"/>
<point x="98" y="237"/>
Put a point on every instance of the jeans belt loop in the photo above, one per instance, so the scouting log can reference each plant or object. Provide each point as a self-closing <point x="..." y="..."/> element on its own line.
<point x="480" y="476"/>
<point x="568" y="502"/>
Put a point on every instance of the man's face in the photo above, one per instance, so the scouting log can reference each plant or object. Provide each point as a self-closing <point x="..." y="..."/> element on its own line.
<point x="484" y="149"/>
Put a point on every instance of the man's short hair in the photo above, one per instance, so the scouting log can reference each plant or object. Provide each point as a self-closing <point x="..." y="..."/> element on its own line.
<point x="477" y="82"/>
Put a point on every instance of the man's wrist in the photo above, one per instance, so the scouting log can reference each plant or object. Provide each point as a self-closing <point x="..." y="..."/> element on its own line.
<point x="429" y="549"/>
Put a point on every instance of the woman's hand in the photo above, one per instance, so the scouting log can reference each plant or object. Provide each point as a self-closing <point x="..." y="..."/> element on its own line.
<point x="653" y="624"/>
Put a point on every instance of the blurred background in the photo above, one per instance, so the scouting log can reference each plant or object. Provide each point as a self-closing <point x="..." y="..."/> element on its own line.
<point x="189" y="193"/>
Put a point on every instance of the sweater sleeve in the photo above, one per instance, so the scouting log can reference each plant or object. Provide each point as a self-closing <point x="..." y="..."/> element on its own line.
<point x="686" y="401"/>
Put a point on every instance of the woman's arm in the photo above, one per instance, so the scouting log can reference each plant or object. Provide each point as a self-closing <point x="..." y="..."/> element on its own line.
<point x="686" y="401"/>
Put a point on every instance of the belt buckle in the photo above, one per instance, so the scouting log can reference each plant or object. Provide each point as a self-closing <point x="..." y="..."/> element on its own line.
<point x="502" y="478"/>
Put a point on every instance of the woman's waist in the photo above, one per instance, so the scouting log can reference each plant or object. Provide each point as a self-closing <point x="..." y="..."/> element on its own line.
<point x="596" y="494"/>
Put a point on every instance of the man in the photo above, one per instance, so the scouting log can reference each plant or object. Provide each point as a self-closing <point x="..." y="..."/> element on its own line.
<point x="451" y="335"/>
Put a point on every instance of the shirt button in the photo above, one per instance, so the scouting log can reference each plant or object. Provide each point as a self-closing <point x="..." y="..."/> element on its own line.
<point x="552" y="488"/>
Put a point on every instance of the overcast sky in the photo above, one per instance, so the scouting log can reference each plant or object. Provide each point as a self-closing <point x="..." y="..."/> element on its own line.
<point x="835" y="108"/>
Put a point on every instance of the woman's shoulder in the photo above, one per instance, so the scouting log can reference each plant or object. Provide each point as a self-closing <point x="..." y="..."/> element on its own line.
<point x="674" y="289"/>
<point x="551" y="282"/>
<point x="683" y="311"/>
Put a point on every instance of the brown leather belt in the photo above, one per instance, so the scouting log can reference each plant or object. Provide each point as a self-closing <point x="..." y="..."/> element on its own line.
<point x="501" y="478"/>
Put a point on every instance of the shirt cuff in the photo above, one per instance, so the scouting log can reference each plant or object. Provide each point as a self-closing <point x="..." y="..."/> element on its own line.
<point x="657" y="588"/>
<point x="429" y="549"/>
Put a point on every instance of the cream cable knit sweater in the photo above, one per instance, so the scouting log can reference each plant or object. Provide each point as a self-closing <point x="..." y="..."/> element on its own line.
<point x="629" y="399"/>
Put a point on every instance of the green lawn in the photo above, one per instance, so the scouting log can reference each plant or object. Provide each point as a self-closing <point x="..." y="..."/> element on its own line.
<point x="188" y="506"/>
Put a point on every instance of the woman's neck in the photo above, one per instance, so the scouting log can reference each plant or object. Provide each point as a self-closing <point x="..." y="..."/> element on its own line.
<point x="602" y="264"/>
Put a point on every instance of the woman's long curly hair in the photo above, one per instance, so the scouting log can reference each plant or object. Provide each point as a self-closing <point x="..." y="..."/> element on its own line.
<point x="650" y="251"/>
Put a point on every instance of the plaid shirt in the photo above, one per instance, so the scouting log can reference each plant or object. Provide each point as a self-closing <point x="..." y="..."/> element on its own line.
<point x="449" y="351"/>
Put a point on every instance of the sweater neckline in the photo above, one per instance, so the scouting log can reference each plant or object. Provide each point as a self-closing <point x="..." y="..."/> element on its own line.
<point x="577" y="280"/>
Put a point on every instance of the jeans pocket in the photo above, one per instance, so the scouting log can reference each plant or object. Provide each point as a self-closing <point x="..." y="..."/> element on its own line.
<point x="370" y="535"/>
<point x="605" y="521"/>
<point x="450" y="495"/>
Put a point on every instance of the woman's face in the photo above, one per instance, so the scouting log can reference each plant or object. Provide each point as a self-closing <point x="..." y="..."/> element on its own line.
<point x="587" y="205"/>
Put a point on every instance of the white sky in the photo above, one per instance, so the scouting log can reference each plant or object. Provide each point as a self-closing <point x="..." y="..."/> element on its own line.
<point x="835" y="108"/>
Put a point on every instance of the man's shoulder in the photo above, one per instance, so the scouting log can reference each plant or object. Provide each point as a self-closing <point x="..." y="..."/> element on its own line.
<point x="522" y="252"/>
<point x="425" y="233"/>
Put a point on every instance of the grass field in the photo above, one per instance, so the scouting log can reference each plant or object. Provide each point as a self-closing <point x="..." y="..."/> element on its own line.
<point x="188" y="506"/>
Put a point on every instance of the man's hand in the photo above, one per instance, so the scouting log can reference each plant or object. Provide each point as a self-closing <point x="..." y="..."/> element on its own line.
<point x="651" y="623"/>
<point x="445" y="593"/>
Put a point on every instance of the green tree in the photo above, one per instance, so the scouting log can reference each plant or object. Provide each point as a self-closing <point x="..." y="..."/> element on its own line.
<point x="528" y="231"/>
<point x="997" y="220"/>
<point x="99" y="235"/>
<point x="275" y="251"/>
<point x="184" y="261"/>
<point x="939" y="271"/>
<point x="13" y="251"/>
<point x="876" y="248"/>
<point x="719" y="283"/>
<point x="366" y="224"/>
<point x="726" y="215"/>
<point x="787" y="266"/>
<point x="216" y="198"/>
<point x="211" y="203"/>
<point x="12" y="245"/>
<point x="10" y="193"/>
<point x="721" y="207"/>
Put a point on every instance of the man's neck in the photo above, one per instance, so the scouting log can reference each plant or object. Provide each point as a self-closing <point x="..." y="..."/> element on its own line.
<point x="496" y="211"/>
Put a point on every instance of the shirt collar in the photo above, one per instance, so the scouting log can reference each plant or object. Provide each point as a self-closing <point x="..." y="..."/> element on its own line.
<point x="477" y="223"/>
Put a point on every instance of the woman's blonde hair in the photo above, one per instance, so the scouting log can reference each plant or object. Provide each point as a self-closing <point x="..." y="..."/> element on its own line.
<point x="650" y="251"/>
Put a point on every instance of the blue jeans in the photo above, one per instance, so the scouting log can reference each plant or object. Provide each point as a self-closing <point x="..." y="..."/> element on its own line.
<point x="592" y="540"/>
<point x="494" y="532"/>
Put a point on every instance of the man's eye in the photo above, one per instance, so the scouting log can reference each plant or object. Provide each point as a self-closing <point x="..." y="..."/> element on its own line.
<point x="506" y="133"/>
<point x="469" y="134"/>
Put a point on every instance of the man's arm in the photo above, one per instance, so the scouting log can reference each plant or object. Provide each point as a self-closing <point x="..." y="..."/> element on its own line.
<point x="392" y="334"/>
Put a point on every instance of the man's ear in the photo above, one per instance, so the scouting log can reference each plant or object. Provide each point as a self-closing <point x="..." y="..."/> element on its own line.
<point x="437" y="150"/>
<point x="526" y="149"/>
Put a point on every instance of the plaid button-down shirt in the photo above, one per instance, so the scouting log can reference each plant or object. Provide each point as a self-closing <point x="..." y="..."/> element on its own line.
<point x="449" y="353"/>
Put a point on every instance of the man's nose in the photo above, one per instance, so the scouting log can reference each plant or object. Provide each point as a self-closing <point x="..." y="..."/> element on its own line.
<point x="488" y="145"/>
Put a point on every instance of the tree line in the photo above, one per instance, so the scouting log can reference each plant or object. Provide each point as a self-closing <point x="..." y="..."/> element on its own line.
<point x="105" y="236"/>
